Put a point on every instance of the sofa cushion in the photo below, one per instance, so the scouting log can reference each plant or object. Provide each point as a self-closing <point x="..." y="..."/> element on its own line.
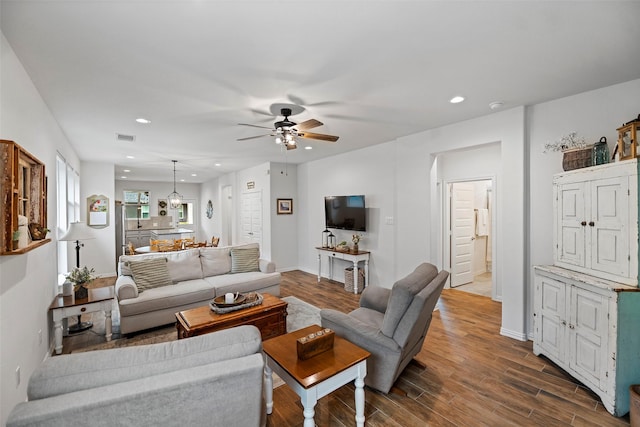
<point x="150" y="273"/>
<point x="243" y="282"/>
<point x="176" y="296"/>
<point x="215" y="261"/>
<point x="402" y="294"/>
<point x="184" y="265"/>
<point x="244" y="260"/>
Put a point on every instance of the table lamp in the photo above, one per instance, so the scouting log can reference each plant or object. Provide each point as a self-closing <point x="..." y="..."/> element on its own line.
<point x="78" y="231"/>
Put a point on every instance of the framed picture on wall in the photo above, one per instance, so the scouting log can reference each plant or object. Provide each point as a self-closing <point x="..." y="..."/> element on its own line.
<point x="97" y="210"/>
<point x="285" y="206"/>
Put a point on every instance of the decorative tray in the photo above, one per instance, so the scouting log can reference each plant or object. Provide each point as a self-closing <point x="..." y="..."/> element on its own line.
<point x="220" y="301"/>
<point x="249" y="300"/>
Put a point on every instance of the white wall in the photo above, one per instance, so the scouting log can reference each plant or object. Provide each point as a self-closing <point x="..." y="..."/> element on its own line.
<point x="98" y="253"/>
<point x="27" y="282"/>
<point x="592" y="114"/>
<point x="210" y="226"/>
<point x="370" y="172"/>
<point x="284" y="228"/>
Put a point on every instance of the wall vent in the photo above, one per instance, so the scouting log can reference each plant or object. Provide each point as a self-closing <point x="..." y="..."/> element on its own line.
<point x="125" y="138"/>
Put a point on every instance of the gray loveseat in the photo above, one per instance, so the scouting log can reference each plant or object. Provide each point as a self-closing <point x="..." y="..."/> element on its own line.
<point x="209" y="380"/>
<point x="196" y="277"/>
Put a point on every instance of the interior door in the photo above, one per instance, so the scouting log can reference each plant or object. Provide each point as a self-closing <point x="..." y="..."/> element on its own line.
<point x="251" y="217"/>
<point x="462" y="233"/>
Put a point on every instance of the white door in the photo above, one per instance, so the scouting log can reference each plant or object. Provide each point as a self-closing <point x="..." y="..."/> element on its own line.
<point x="462" y="233"/>
<point x="572" y="223"/>
<point x="609" y="242"/>
<point x="251" y="217"/>
<point x="550" y="316"/>
<point x="588" y="333"/>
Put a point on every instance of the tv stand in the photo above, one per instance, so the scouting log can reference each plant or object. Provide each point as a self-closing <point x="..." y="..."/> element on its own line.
<point x="347" y="256"/>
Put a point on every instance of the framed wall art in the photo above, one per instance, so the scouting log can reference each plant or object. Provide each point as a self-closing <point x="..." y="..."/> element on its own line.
<point x="97" y="210"/>
<point x="285" y="206"/>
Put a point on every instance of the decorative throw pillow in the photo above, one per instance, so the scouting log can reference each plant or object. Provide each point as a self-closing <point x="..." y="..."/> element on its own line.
<point x="150" y="273"/>
<point x="244" y="260"/>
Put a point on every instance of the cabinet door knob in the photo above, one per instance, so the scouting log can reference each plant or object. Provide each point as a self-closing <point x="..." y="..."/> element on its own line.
<point x="571" y="326"/>
<point x="564" y="323"/>
<point x="591" y="223"/>
<point x="583" y="223"/>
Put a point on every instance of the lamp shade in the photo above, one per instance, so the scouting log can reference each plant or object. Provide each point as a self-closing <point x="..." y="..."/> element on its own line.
<point x="77" y="231"/>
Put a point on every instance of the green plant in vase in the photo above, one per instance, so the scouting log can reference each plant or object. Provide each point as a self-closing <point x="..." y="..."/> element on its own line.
<point x="15" y="237"/>
<point x="80" y="277"/>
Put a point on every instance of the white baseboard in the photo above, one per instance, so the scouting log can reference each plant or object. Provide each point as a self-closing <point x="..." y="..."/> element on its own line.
<point x="513" y="334"/>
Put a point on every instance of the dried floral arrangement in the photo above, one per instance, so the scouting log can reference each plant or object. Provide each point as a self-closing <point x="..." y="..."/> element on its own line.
<point x="567" y="142"/>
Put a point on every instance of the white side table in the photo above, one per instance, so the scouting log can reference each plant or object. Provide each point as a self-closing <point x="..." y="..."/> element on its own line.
<point x="314" y="378"/>
<point x="99" y="299"/>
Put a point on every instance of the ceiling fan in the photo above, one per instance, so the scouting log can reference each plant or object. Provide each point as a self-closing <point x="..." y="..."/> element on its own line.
<point x="287" y="131"/>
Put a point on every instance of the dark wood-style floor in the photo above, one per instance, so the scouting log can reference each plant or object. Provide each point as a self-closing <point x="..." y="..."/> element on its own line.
<point x="473" y="376"/>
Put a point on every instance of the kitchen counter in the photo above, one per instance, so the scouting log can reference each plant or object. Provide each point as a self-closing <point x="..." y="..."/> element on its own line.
<point x="171" y="233"/>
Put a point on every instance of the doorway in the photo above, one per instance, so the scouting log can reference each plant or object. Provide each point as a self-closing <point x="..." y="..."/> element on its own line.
<point x="469" y="214"/>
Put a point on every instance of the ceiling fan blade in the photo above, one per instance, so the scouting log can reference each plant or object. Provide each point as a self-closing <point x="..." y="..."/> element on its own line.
<point x="254" y="137"/>
<point x="320" y="136"/>
<point x="309" y="124"/>
<point x="255" y="126"/>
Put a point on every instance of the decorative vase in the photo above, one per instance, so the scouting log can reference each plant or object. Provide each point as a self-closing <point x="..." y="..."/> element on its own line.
<point x="80" y="291"/>
<point x="355" y="248"/>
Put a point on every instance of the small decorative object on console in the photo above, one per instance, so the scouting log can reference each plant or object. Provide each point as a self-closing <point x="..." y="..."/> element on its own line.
<point x="628" y="139"/>
<point x="314" y="344"/>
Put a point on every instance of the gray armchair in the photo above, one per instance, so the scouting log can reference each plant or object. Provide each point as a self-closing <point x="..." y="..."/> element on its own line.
<point x="391" y="323"/>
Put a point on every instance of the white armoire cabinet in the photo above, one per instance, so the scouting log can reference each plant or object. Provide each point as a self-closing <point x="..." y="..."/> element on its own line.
<point x="587" y="305"/>
<point x="596" y="221"/>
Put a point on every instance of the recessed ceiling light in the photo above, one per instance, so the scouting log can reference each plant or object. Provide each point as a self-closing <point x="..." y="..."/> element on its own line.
<point x="308" y="147"/>
<point x="217" y="164"/>
<point x="126" y="170"/>
<point x="143" y="120"/>
<point x="456" y="99"/>
<point x="194" y="174"/>
<point x="182" y="180"/>
<point x="130" y="157"/>
<point x="123" y="177"/>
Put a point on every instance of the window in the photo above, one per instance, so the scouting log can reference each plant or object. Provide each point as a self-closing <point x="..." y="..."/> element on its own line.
<point x="68" y="203"/>
<point x="136" y="204"/>
<point x="185" y="213"/>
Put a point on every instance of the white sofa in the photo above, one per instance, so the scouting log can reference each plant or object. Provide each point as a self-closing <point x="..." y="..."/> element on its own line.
<point x="197" y="276"/>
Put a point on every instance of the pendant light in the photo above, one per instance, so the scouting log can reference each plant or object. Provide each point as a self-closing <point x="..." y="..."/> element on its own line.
<point x="175" y="199"/>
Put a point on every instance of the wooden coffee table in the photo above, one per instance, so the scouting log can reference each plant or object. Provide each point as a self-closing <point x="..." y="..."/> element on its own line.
<point x="270" y="317"/>
<point x="318" y="376"/>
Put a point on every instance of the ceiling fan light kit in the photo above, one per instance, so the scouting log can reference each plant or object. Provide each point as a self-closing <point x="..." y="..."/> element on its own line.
<point x="286" y="131"/>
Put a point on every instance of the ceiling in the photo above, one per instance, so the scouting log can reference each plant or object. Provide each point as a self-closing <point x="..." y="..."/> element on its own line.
<point x="371" y="71"/>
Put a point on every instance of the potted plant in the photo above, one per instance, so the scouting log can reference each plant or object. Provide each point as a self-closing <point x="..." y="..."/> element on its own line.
<point x="15" y="237"/>
<point x="80" y="277"/>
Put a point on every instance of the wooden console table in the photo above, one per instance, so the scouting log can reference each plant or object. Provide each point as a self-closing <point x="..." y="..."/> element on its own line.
<point x="348" y="256"/>
<point x="99" y="299"/>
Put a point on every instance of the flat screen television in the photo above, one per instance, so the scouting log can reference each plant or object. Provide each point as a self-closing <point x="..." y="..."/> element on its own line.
<point x="345" y="212"/>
